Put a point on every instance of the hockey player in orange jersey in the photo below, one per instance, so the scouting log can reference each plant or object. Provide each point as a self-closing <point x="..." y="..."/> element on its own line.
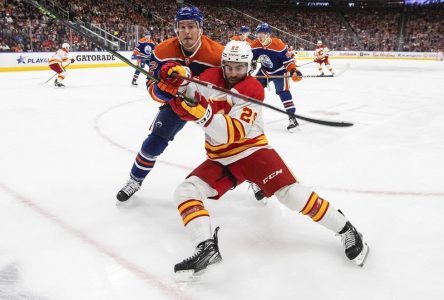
<point x="57" y="63"/>
<point x="189" y="48"/>
<point x="277" y="63"/>
<point x="142" y="54"/>
<point x="244" y="34"/>
<point x="321" y="54"/>
<point x="238" y="150"/>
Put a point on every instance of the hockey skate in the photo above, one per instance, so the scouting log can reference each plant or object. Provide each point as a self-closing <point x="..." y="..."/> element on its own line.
<point x="57" y="83"/>
<point x="207" y="254"/>
<point x="128" y="190"/>
<point x="293" y="124"/>
<point x="134" y="83"/>
<point x="355" y="248"/>
<point x="258" y="193"/>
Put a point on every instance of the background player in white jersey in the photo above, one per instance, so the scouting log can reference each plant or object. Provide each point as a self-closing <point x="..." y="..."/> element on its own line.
<point x="321" y="54"/>
<point x="237" y="151"/>
<point x="57" y="63"/>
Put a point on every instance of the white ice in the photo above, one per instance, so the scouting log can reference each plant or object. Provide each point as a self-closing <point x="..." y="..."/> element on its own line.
<point x="66" y="152"/>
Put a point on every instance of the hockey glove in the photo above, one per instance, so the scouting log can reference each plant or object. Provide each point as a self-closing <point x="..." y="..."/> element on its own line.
<point x="169" y="83"/>
<point x="295" y="75"/>
<point x="201" y="113"/>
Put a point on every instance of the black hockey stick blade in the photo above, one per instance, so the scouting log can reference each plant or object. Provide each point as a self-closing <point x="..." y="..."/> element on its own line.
<point x="325" y="122"/>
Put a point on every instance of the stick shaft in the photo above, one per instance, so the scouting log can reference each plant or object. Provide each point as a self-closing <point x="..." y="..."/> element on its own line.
<point x="252" y="100"/>
<point x="56" y="73"/>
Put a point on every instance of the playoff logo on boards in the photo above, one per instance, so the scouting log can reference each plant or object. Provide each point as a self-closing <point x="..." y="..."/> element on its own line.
<point x="31" y="60"/>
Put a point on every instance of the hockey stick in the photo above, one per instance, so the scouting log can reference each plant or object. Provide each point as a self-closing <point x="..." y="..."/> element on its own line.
<point x="286" y="76"/>
<point x="252" y="100"/>
<point x="55" y="74"/>
<point x="310" y="62"/>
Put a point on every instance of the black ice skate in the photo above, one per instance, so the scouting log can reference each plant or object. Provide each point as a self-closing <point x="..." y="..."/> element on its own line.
<point x="207" y="254"/>
<point x="134" y="83"/>
<point x="128" y="190"/>
<point x="58" y="84"/>
<point x="293" y="124"/>
<point x="355" y="248"/>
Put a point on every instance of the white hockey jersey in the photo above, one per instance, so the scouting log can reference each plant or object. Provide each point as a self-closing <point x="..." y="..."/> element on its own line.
<point x="321" y="52"/>
<point x="237" y="127"/>
<point x="60" y="57"/>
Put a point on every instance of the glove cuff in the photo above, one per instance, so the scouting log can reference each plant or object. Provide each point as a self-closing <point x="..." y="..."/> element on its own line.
<point x="205" y="120"/>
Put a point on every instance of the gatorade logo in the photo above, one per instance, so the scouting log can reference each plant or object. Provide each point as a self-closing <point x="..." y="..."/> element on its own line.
<point x="95" y="57"/>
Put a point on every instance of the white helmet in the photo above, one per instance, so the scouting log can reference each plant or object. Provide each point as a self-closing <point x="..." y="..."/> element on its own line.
<point x="238" y="51"/>
<point x="65" y="46"/>
<point x="319" y="42"/>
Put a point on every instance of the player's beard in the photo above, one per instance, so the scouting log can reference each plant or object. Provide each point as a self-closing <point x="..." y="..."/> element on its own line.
<point x="233" y="80"/>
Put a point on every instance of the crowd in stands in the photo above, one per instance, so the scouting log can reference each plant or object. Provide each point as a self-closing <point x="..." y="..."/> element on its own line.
<point x="25" y="28"/>
<point x="424" y="29"/>
<point x="377" y="28"/>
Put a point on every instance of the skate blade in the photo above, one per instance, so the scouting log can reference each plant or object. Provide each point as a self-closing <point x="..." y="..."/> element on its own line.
<point x="120" y="203"/>
<point x="213" y="273"/>
<point x="186" y="277"/>
<point x="362" y="257"/>
<point x="294" y="129"/>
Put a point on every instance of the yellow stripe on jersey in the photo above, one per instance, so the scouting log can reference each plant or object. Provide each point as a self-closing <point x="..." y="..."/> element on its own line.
<point x="230" y="129"/>
<point x="240" y="129"/>
<point x="212" y="148"/>
<point x="311" y="201"/>
<point x="236" y="150"/>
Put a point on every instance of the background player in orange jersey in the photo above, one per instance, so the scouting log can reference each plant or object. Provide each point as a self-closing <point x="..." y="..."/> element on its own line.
<point x="244" y="34"/>
<point x="276" y="62"/>
<point x="142" y="53"/>
<point x="238" y="150"/>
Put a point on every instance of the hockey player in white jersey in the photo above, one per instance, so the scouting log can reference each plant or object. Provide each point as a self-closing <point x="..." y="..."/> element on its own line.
<point x="58" y="62"/>
<point x="321" y="54"/>
<point x="237" y="151"/>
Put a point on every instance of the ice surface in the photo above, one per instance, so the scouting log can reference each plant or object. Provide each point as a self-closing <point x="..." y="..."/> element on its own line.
<point x="66" y="152"/>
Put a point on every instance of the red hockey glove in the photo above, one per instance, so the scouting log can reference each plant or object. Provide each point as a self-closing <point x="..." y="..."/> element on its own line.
<point x="295" y="75"/>
<point x="169" y="83"/>
<point x="201" y="113"/>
